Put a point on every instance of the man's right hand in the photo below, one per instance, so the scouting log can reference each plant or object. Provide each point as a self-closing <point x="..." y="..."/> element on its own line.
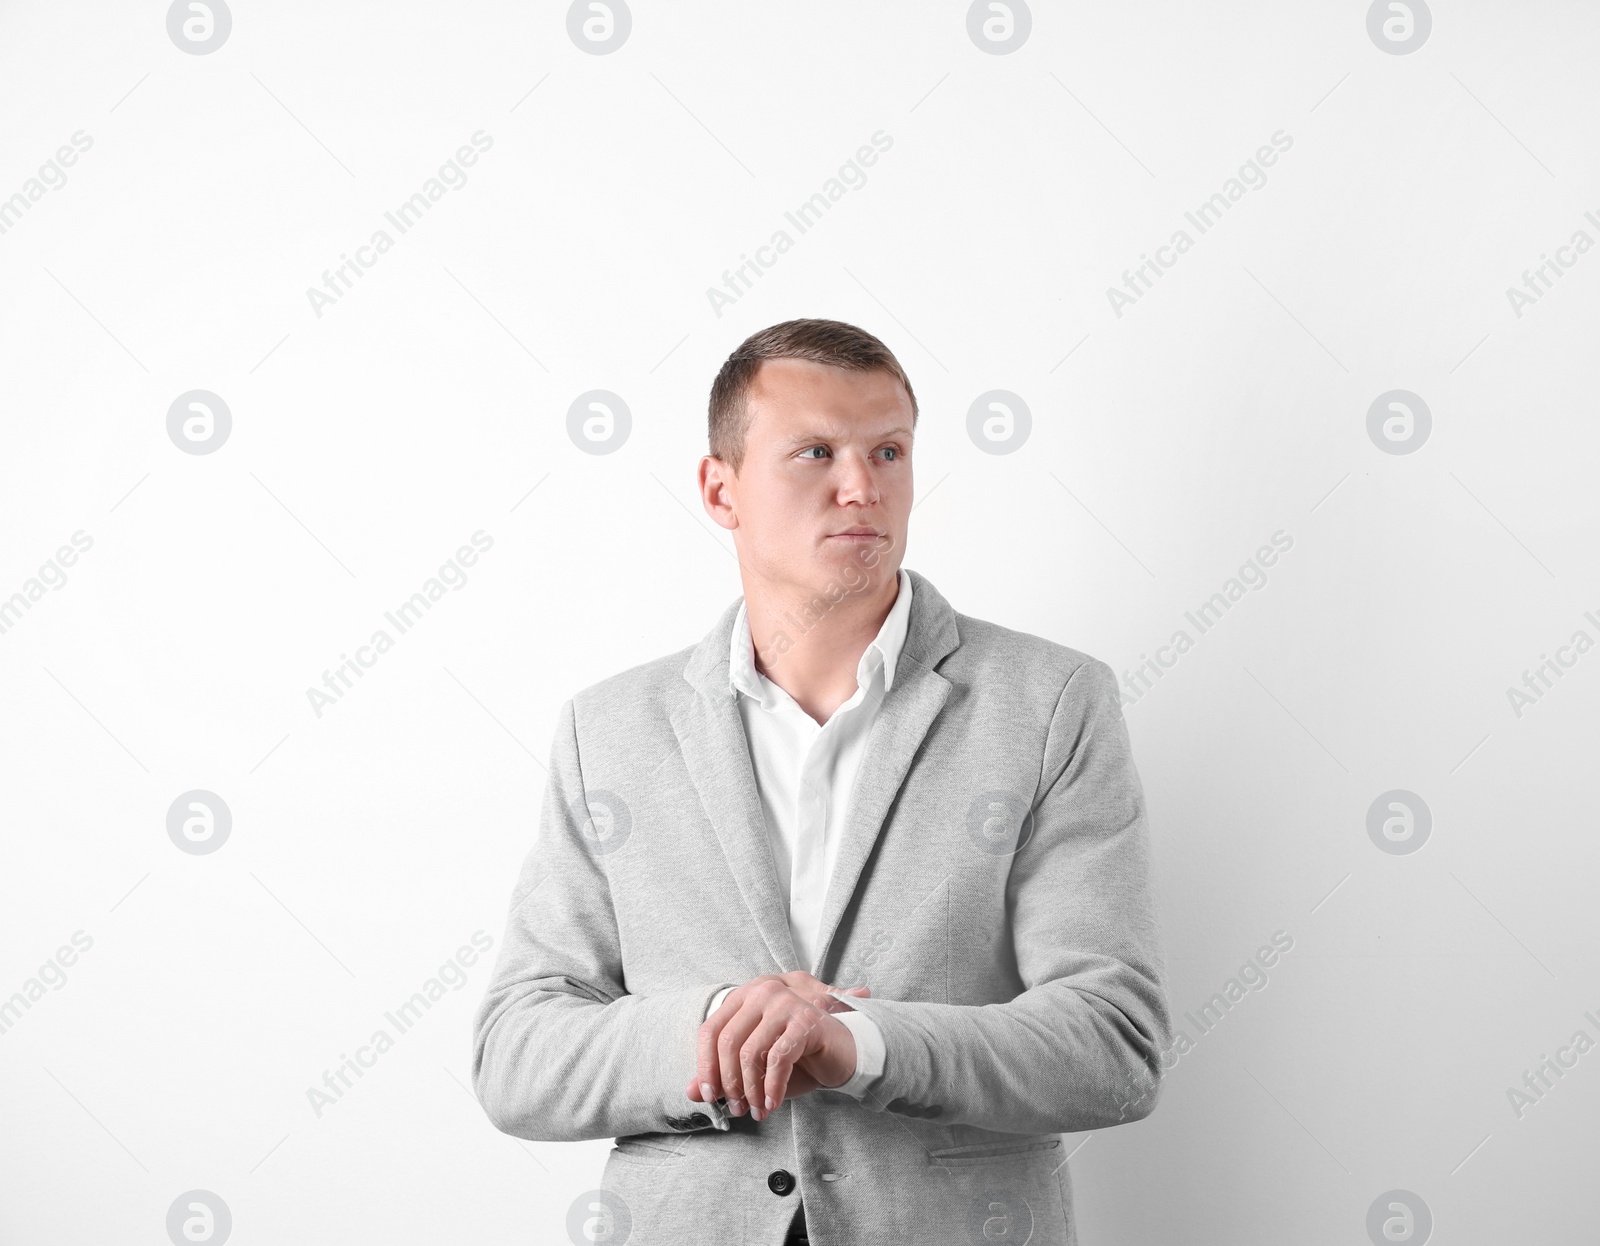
<point x="726" y="1072"/>
<point x="810" y="988"/>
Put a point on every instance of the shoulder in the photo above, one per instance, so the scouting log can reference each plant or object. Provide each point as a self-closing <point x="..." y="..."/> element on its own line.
<point x="1023" y="686"/>
<point x="621" y="705"/>
<point x="1003" y="657"/>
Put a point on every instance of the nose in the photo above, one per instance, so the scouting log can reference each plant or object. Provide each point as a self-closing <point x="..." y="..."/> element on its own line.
<point x="857" y="484"/>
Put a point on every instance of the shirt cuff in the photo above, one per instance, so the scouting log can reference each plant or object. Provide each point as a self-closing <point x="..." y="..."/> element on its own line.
<point x="869" y="1050"/>
<point x="716" y="1001"/>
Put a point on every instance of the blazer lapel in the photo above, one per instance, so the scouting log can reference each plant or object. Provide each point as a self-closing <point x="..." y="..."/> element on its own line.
<point x="904" y="718"/>
<point x="717" y="756"/>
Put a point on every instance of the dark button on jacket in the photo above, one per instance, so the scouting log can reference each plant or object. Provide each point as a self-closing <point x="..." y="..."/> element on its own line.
<point x="781" y="1182"/>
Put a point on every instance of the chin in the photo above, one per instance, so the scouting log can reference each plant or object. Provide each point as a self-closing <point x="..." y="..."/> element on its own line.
<point x="847" y="568"/>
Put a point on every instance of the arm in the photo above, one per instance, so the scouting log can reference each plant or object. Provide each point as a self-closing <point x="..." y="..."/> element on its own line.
<point x="1079" y="1048"/>
<point x="561" y="1051"/>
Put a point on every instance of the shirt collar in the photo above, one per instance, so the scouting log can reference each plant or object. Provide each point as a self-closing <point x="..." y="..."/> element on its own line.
<point x="884" y="650"/>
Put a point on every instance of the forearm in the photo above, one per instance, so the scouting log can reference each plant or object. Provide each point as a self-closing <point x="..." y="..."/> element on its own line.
<point x="1053" y="1060"/>
<point x="552" y="1065"/>
<point x="1080" y="1047"/>
<point x="562" y="1051"/>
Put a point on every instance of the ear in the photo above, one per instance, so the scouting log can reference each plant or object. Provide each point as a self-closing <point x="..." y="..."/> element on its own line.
<point x="716" y="492"/>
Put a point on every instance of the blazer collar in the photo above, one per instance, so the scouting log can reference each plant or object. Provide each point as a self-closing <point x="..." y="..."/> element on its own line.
<point x="717" y="756"/>
<point x="930" y="635"/>
<point x="883" y="651"/>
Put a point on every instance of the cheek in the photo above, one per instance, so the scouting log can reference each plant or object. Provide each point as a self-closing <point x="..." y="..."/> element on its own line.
<point x="775" y="504"/>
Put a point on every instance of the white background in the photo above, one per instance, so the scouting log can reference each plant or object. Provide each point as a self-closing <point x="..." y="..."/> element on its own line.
<point x="430" y="401"/>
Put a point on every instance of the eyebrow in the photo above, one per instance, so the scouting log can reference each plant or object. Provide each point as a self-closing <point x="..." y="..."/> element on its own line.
<point x="811" y="438"/>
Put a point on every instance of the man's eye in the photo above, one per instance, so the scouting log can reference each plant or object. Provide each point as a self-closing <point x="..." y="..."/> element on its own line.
<point x="810" y="448"/>
<point x="892" y="451"/>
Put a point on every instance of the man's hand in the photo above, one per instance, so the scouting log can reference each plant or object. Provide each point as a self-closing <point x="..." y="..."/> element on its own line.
<point x="773" y="1036"/>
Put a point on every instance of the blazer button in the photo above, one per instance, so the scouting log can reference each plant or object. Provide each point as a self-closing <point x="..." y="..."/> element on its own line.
<point x="781" y="1182"/>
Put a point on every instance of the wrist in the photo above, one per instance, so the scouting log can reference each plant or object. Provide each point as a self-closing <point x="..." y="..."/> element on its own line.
<point x="838" y="1063"/>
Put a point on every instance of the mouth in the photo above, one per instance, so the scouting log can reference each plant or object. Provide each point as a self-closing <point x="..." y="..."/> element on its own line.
<point x="856" y="534"/>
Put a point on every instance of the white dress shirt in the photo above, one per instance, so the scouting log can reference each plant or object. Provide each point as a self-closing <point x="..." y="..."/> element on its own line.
<point x="805" y="774"/>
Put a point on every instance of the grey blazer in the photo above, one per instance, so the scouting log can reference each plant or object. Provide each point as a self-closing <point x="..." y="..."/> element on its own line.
<point x="993" y="888"/>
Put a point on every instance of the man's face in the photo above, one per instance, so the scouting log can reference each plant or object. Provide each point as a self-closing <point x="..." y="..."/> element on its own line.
<point x="828" y="454"/>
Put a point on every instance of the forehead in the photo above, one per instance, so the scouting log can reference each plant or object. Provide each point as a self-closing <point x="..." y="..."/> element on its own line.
<point x="788" y="394"/>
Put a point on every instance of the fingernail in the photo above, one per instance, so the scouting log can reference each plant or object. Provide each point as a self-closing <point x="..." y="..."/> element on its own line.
<point x="756" y="1113"/>
<point x="769" y="1103"/>
<point x="705" y="1091"/>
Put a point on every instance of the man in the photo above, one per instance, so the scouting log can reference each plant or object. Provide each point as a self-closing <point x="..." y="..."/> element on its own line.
<point x="846" y="782"/>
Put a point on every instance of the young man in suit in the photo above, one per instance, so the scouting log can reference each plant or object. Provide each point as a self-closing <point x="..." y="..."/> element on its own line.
<point x="845" y="782"/>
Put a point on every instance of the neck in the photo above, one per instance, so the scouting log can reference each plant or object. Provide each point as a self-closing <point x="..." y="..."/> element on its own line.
<point x="810" y="645"/>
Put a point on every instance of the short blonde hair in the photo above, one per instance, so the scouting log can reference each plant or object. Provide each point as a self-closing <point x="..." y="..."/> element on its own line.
<point x="829" y="342"/>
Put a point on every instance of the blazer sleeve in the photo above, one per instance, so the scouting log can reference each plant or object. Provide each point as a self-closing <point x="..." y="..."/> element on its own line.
<point x="1080" y="1047"/>
<point x="561" y="1051"/>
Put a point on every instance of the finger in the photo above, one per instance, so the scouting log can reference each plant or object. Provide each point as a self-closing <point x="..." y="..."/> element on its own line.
<point x="758" y="1051"/>
<point x="752" y="1068"/>
<point x="725" y="1059"/>
<point x="703" y="1084"/>
<point x="799" y="1040"/>
<point x="806" y="985"/>
<point x="776" y="1002"/>
<point x="708" y="1067"/>
<point x="781" y="1060"/>
<point x="730" y="1041"/>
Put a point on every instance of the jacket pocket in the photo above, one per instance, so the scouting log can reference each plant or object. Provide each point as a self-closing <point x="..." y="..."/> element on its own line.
<point x="655" y="1150"/>
<point x="994" y="1153"/>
